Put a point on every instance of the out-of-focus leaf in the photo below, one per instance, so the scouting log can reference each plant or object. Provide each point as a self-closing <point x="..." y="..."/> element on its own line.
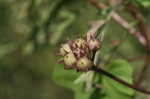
<point x="145" y="3"/>
<point x="59" y="29"/>
<point x="66" y="79"/>
<point x="6" y="49"/>
<point x="113" y="89"/>
<point x="28" y="48"/>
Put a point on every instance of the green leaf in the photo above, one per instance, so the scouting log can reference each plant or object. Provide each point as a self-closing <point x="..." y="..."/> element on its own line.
<point x="66" y="78"/>
<point x="6" y="49"/>
<point x="113" y="89"/>
<point x="144" y="3"/>
<point x="80" y="93"/>
<point x="60" y="28"/>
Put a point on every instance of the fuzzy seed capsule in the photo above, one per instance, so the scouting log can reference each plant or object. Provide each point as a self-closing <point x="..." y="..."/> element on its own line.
<point x="83" y="64"/>
<point x="94" y="44"/>
<point x="69" y="59"/>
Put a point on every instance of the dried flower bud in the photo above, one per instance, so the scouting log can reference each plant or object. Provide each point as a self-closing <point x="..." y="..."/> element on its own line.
<point x="70" y="59"/>
<point x="83" y="64"/>
<point x="80" y="42"/>
<point x="76" y="53"/>
<point x="65" y="49"/>
<point x="94" y="44"/>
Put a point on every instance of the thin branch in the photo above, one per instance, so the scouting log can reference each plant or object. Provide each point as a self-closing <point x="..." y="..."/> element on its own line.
<point x="138" y="16"/>
<point x="143" y="29"/>
<point x="111" y="76"/>
<point x="132" y="31"/>
<point x="121" y="21"/>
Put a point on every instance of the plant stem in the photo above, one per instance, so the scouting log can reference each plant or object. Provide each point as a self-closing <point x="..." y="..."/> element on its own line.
<point x="111" y="76"/>
<point x="121" y="21"/>
<point x="143" y="29"/>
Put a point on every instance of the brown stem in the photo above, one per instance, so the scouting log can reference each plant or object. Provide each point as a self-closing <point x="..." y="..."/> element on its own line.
<point x="111" y="76"/>
<point x="142" y="38"/>
<point x="138" y="16"/>
<point x="121" y="21"/>
<point x="143" y="29"/>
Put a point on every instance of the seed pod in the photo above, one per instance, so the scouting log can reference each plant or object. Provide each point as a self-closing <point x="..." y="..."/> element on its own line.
<point x="83" y="64"/>
<point x="69" y="59"/>
<point x="80" y="42"/>
<point x="94" y="44"/>
<point x="65" y="48"/>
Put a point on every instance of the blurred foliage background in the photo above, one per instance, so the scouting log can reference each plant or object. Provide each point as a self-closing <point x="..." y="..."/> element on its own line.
<point x="30" y="32"/>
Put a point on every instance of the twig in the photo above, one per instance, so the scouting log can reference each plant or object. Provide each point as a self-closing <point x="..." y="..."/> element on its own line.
<point x="138" y="16"/>
<point x="132" y="31"/>
<point x="101" y="71"/>
<point x="143" y="29"/>
<point x="121" y="21"/>
<point x="107" y="74"/>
